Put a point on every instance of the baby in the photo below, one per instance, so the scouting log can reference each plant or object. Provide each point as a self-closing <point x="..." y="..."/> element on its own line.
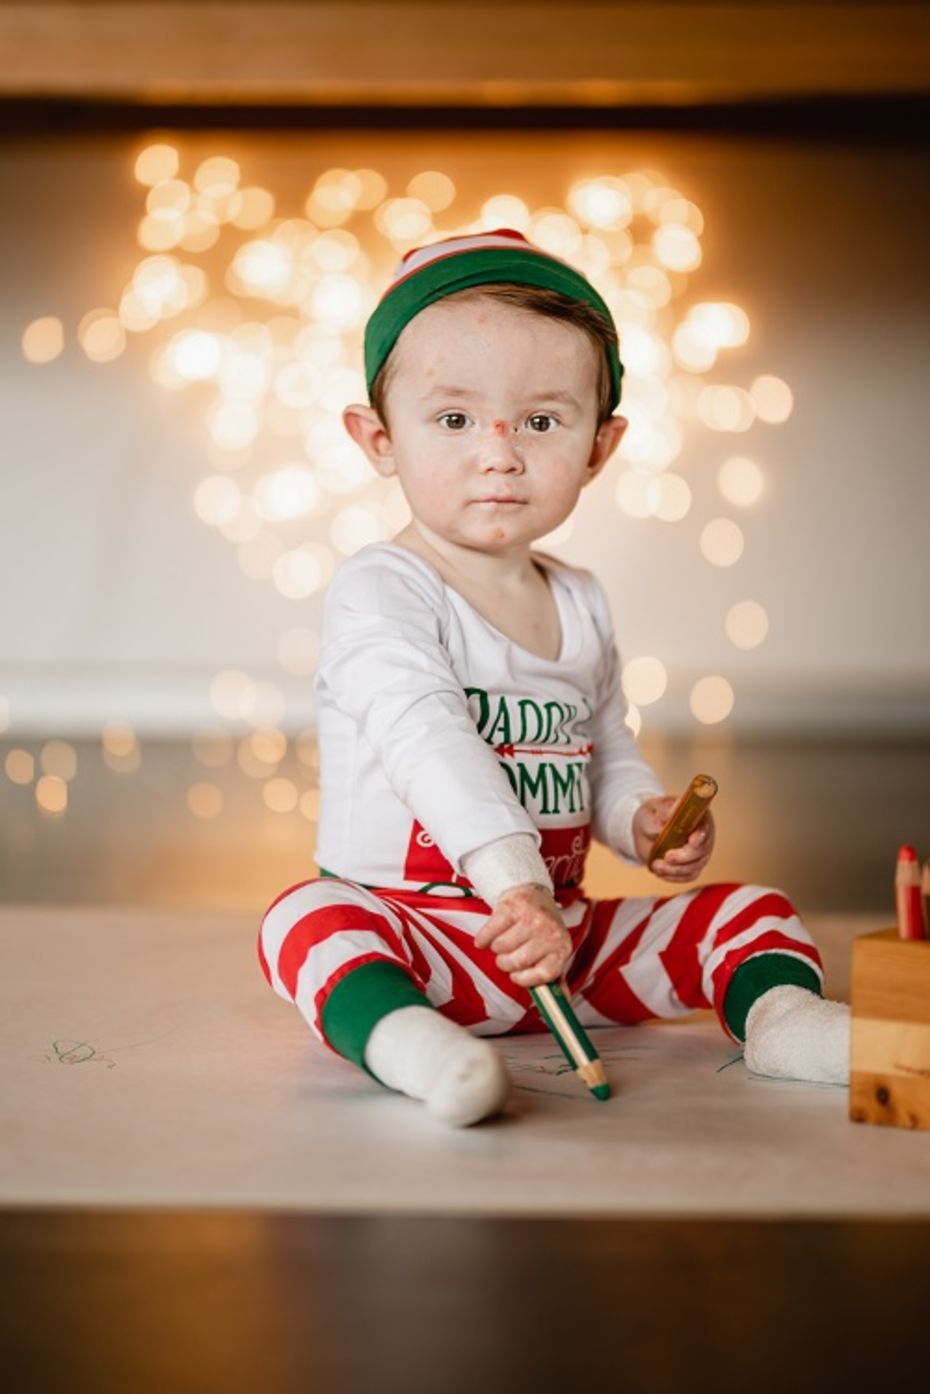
<point x="471" y="727"/>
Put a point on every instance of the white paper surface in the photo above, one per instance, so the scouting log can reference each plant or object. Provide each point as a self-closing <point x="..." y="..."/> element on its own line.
<point x="146" y="1062"/>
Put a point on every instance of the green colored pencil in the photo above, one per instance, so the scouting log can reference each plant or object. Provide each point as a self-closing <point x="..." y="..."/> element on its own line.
<point x="571" y="1036"/>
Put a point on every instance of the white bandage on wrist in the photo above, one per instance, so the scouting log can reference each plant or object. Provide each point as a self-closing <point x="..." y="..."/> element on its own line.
<point x="508" y="861"/>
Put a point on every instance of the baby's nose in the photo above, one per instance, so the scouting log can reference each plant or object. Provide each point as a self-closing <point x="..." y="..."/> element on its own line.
<point x="502" y="429"/>
<point x="502" y="439"/>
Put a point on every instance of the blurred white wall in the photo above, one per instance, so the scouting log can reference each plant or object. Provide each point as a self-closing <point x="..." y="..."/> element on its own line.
<point x="118" y="603"/>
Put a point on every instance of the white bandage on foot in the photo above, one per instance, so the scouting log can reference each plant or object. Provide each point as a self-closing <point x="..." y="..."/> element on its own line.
<point x="460" y="1077"/>
<point x="791" y="1033"/>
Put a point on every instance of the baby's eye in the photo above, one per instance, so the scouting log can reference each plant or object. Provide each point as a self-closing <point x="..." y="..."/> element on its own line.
<point x="454" y="416"/>
<point x="543" y="416"/>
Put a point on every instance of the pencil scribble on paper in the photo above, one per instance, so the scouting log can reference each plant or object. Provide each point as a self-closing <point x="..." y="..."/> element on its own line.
<point x="68" y="1052"/>
<point x="555" y="1063"/>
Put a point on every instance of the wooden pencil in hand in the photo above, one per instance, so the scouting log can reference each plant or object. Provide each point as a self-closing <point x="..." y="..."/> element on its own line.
<point x="556" y="1011"/>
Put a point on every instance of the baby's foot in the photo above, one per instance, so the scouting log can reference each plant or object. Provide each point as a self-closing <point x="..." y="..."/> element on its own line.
<point x="471" y="1084"/>
<point x="419" y="1052"/>
<point x="791" y="1033"/>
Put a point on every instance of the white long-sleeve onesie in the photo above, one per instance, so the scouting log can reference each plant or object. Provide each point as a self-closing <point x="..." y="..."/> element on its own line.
<point x="439" y="735"/>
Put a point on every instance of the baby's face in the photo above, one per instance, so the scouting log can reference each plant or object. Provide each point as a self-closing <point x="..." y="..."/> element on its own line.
<point x="491" y="401"/>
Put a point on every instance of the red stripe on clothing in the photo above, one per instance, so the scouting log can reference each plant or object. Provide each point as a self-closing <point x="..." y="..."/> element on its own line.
<point x="614" y="998"/>
<point x="466" y="1005"/>
<point x="598" y="927"/>
<point x="624" y="951"/>
<point x="463" y="251"/>
<point x="417" y="957"/>
<point x="278" y="898"/>
<point x="317" y="925"/>
<point x="482" y="958"/>
<point x="464" y="940"/>
<point x="611" y="994"/>
<point x="773" y="939"/>
<point x="595" y="927"/>
<point x="771" y="904"/>
<point x="531" y="1021"/>
<point x="681" y="956"/>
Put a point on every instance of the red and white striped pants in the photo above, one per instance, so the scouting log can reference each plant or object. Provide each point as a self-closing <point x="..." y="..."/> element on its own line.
<point x="633" y="959"/>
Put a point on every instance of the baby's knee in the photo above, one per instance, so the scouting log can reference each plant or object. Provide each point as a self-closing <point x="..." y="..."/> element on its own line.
<point x="291" y="908"/>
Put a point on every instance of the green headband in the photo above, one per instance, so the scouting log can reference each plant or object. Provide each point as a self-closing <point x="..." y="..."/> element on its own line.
<point x="413" y="291"/>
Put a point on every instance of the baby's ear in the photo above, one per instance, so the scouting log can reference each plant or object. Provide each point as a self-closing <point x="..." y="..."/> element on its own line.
<point x="608" y="437"/>
<point x="614" y="428"/>
<point x="365" y="427"/>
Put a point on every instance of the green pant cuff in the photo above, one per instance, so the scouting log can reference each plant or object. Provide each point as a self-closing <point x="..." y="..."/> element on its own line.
<point x="756" y="975"/>
<point x="359" y="1001"/>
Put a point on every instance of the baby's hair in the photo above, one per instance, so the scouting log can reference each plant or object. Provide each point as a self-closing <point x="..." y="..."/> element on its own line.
<point x="552" y="303"/>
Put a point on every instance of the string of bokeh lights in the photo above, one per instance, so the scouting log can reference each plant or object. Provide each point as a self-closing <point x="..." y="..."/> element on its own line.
<point x="274" y="386"/>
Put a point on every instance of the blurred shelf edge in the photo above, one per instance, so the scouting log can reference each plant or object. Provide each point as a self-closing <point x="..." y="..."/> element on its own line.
<point x="518" y="54"/>
<point x="899" y="120"/>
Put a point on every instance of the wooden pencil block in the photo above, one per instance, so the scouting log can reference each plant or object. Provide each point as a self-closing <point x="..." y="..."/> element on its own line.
<point x="889" y="1078"/>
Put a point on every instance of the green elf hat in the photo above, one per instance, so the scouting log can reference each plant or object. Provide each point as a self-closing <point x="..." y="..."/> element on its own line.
<point x="425" y="274"/>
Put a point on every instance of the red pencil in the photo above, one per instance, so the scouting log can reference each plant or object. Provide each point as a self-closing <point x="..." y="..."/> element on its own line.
<point x="908" y="895"/>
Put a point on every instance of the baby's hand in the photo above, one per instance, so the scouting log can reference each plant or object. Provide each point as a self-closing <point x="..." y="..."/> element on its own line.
<point x="679" y="863"/>
<point x="528" y="936"/>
